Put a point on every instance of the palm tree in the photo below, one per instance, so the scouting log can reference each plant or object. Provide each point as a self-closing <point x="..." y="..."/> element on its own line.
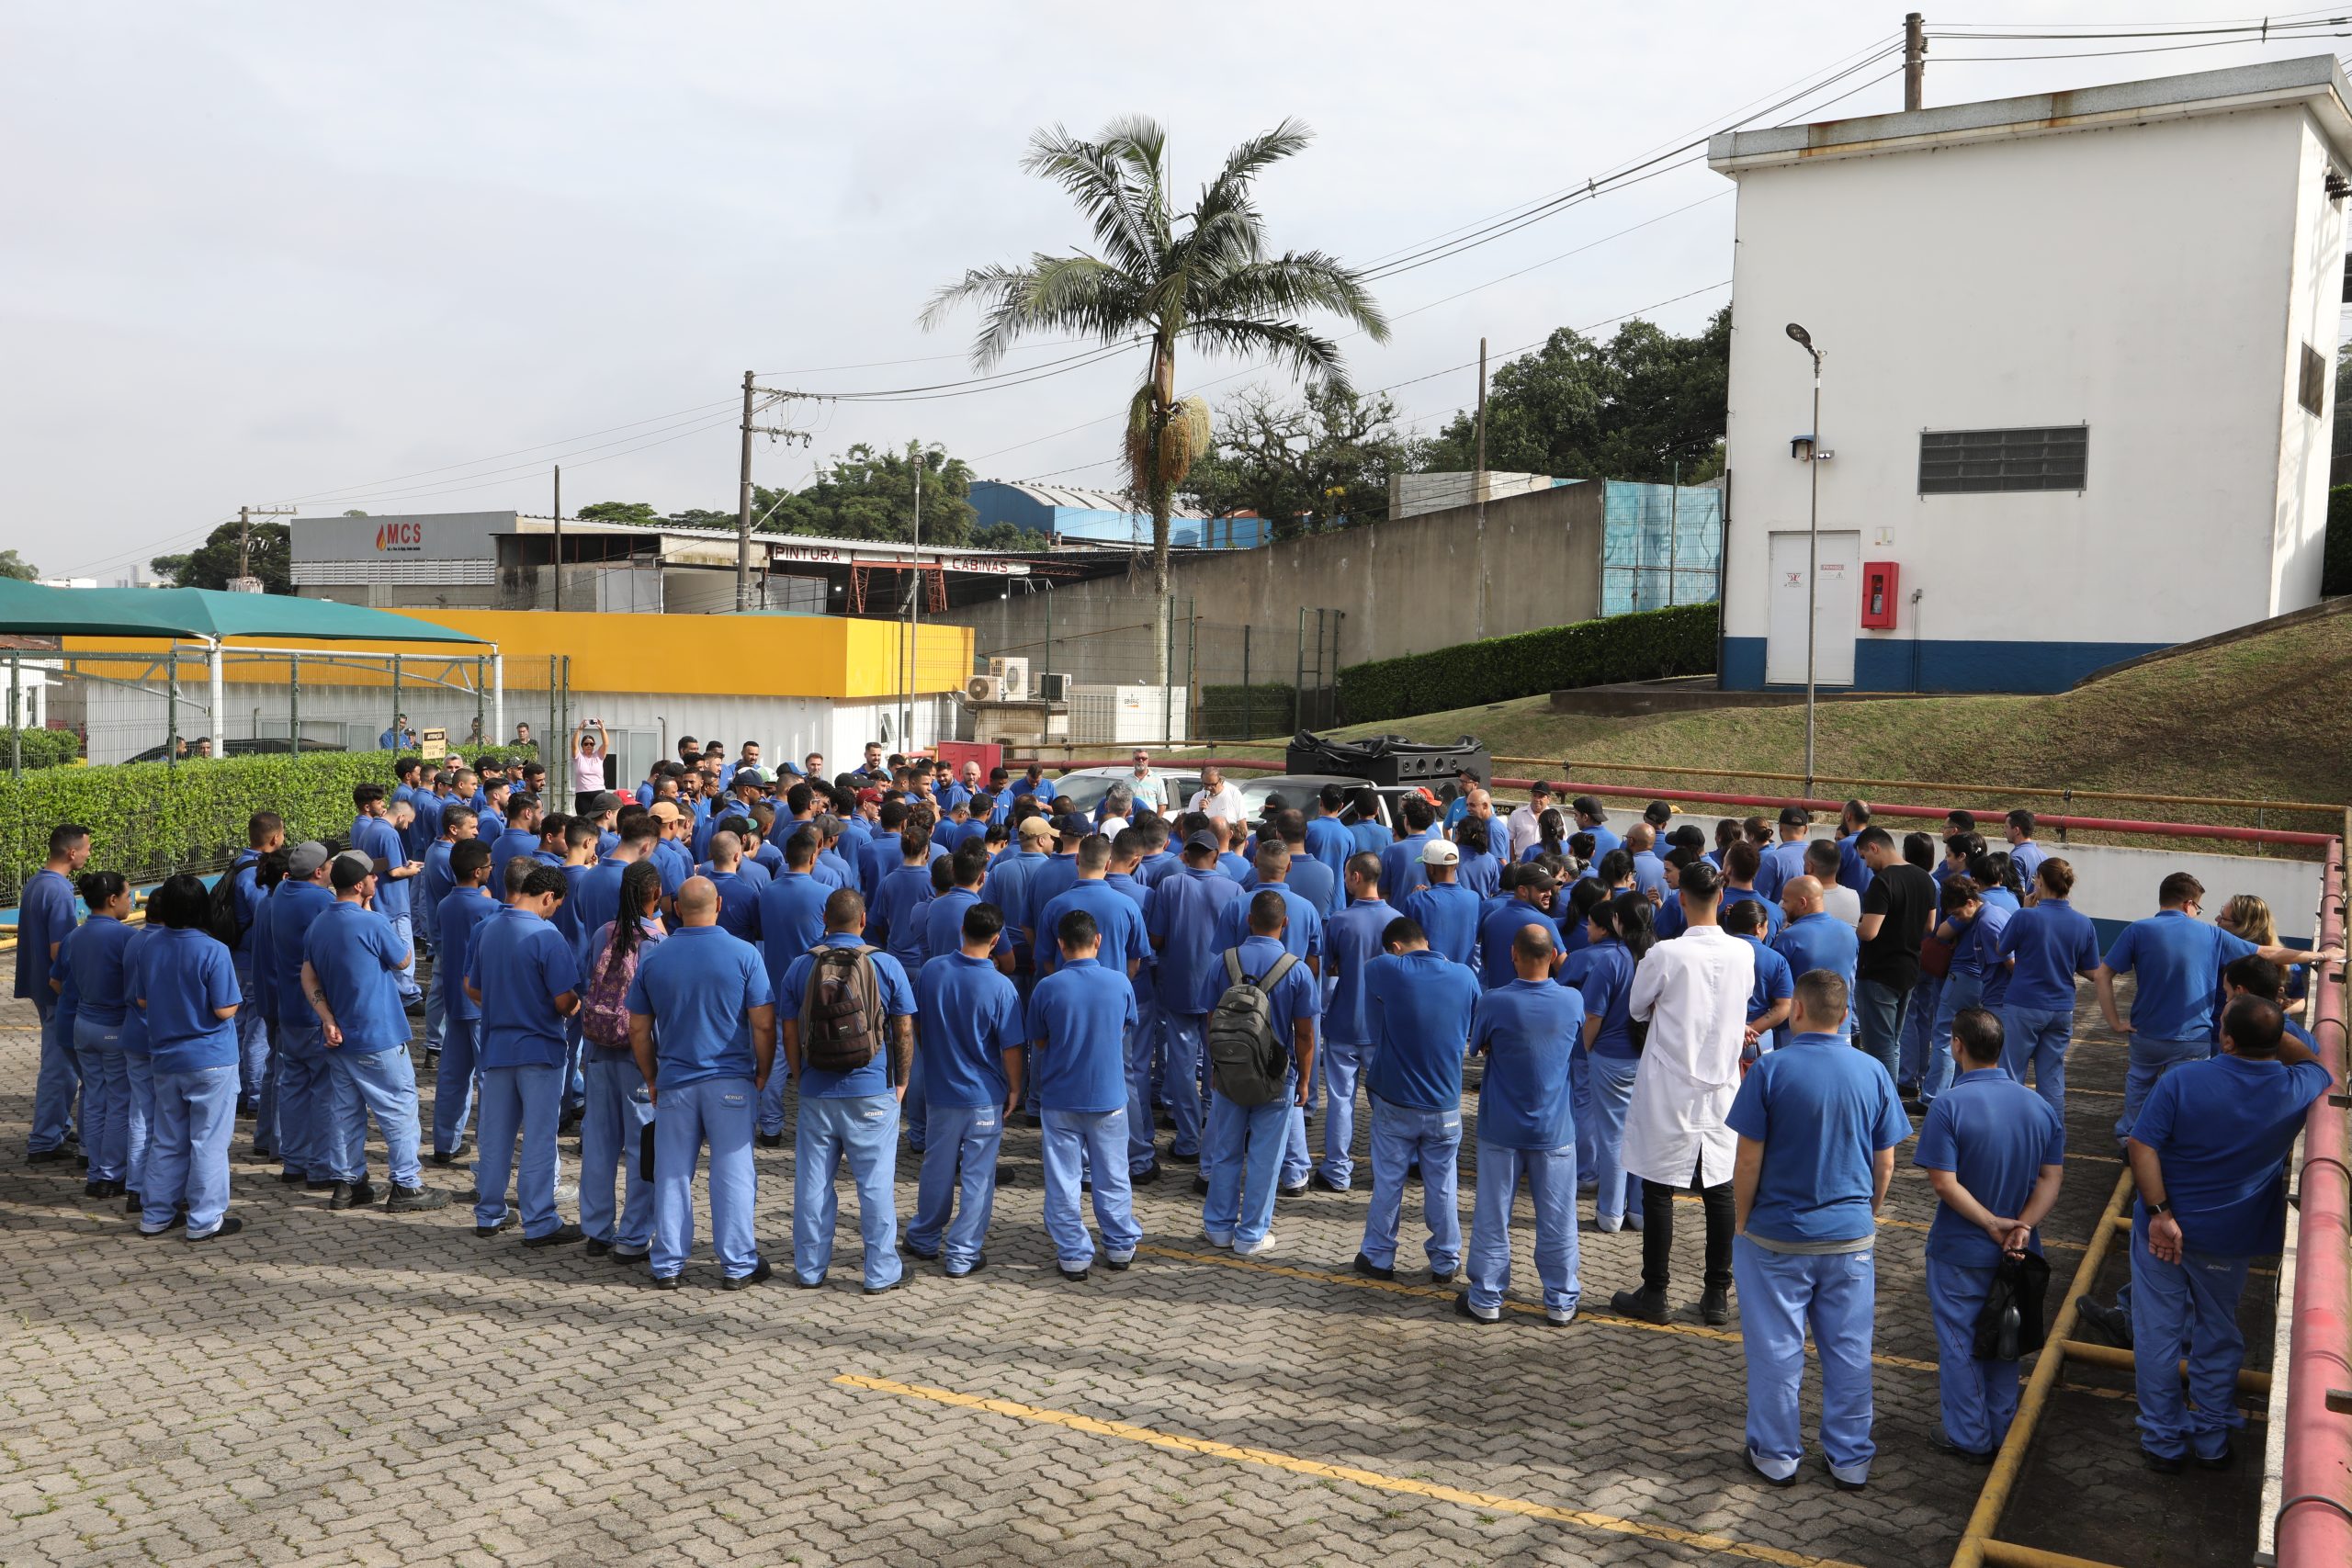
<point x="1162" y="277"/>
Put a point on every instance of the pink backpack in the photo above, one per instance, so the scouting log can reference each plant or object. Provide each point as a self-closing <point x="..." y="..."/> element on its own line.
<point x="604" y="1013"/>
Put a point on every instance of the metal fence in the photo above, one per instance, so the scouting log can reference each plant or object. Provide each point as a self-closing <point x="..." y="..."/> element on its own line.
<point x="1660" y="545"/>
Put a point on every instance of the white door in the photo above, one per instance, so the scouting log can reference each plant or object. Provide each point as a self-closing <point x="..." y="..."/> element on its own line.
<point x="1836" y="610"/>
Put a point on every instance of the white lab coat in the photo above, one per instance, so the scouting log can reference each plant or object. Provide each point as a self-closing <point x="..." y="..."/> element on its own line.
<point x="1693" y="993"/>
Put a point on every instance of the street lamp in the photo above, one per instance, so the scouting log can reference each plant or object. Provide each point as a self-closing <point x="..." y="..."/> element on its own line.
<point x="1807" y="450"/>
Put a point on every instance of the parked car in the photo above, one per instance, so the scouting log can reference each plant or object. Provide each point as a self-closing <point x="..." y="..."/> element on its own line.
<point x="264" y="746"/>
<point x="1085" y="787"/>
<point x="1299" y="791"/>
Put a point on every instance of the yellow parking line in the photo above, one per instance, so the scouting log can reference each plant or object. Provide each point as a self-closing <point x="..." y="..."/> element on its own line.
<point x="1489" y="1501"/>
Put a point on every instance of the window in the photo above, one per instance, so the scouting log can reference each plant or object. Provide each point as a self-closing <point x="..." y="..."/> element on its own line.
<point x="1957" y="462"/>
<point x="2312" y="394"/>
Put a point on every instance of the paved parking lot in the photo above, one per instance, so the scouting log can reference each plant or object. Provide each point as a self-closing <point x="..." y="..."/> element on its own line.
<point x="359" y="1388"/>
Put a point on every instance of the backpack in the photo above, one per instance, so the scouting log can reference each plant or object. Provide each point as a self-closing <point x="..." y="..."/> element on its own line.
<point x="1247" y="1052"/>
<point x="604" y="1013"/>
<point x="222" y="918"/>
<point x="841" y="1010"/>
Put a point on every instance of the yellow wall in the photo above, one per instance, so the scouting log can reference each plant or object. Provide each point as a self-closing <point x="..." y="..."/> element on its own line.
<point x="780" y="656"/>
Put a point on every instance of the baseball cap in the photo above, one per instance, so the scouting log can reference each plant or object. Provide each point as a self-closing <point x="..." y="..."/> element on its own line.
<point x="1202" y="839"/>
<point x="869" y="797"/>
<point x="1437" y="851"/>
<point x="1795" y="817"/>
<point x="1035" y="828"/>
<point x="351" y="869"/>
<point x="666" y="810"/>
<point x="302" y="861"/>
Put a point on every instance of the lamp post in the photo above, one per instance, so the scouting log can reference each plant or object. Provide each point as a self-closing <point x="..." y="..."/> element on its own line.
<point x="1810" y="449"/>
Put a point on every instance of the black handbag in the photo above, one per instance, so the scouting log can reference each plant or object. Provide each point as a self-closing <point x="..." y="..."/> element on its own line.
<point x="2011" y="1325"/>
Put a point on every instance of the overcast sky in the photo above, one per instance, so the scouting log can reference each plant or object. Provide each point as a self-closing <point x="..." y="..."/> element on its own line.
<point x="403" y="258"/>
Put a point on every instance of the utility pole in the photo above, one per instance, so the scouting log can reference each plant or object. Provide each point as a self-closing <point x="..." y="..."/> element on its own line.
<point x="1915" y="60"/>
<point x="914" y="606"/>
<point x="1478" y="483"/>
<point x="744" y="492"/>
<point x="246" y="582"/>
<point x="559" y="536"/>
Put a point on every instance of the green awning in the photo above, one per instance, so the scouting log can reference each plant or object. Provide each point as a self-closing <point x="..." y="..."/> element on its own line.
<point x="32" y="610"/>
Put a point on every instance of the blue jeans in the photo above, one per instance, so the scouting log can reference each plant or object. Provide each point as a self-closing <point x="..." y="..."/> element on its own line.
<point x="1781" y="1293"/>
<point x="1181" y="1081"/>
<point x="453" y="1083"/>
<point x="1880" y="1011"/>
<point x="265" y="1107"/>
<point x="1249" y="1147"/>
<point x="1958" y="991"/>
<point x="253" y="1035"/>
<point x="1143" y="1045"/>
<point x="864" y="1130"/>
<point x="1612" y="1094"/>
<point x="1551" y="1177"/>
<point x="195" y="1114"/>
<point x="525" y="1100"/>
<point x="2151" y="1059"/>
<point x="913" y="1109"/>
<point x="404" y="933"/>
<point x="382" y="1084"/>
<point x="1919" y="1020"/>
<point x="1980" y="1398"/>
<point x="612" y="1125"/>
<point x="1073" y="1139"/>
<point x="1581" y="1110"/>
<point x="1343" y="1063"/>
<point x="105" y="1097"/>
<point x="58" y="1081"/>
<point x="2192" y="1304"/>
<point x="960" y="1147"/>
<point x="717" y="1111"/>
<point x="140" y="1070"/>
<point x="1400" y="1135"/>
<point x="305" y="1101"/>
<point x="436" y="1007"/>
<point x="770" y="1115"/>
<point x="2032" y="1035"/>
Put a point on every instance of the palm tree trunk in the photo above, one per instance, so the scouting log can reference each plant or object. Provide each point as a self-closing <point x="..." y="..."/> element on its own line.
<point x="1163" y="400"/>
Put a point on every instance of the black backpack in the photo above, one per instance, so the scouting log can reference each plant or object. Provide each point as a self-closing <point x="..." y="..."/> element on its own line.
<point x="1249" y="1057"/>
<point x="223" y="919"/>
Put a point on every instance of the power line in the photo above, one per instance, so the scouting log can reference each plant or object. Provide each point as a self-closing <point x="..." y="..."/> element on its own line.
<point x="2105" y="53"/>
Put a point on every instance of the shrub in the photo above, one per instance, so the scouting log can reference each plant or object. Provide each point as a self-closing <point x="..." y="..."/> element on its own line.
<point x="38" y="748"/>
<point x="1645" y="645"/>
<point x="2335" y="566"/>
<point x="1242" y="713"/>
<point x="147" y="820"/>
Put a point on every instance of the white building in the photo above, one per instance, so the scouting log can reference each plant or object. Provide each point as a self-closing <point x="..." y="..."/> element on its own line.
<point x="2078" y="354"/>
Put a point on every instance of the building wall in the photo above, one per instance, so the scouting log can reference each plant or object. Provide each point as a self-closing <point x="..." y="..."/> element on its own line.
<point x="2306" y="441"/>
<point x="2136" y="278"/>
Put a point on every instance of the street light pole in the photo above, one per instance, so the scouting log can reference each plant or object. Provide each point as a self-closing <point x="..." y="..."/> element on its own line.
<point x="1813" y="546"/>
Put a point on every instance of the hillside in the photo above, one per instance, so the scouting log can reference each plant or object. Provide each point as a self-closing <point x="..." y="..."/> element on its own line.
<point x="2263" y="718"/>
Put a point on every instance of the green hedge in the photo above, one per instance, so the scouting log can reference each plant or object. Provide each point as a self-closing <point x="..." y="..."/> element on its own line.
<point x="2335" y="566"/>
<point x="1645" y="645"/>
<point x="147" y="820"/>
<point x="1244" y="713"/>
<point x="38" y="748"/>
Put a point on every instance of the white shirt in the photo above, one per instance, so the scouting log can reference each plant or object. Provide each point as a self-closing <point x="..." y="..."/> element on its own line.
<point x="587" y="772"/>
<point x="1842" y="903"/>
<point x="1693" y="993"/>
<point x="1524" y="830"/>
<point x="1224" y="804"/>
<point x="1149" y="789"/>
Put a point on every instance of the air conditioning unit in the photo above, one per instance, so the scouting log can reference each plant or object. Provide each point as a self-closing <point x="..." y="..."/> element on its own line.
<point x="1013" y="675"/>
<point x="1054" y="688"/>
<point x="984" y="689"/>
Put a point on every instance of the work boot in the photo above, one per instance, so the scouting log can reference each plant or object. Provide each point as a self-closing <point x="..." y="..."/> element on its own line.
<point x="352" y="1194"/>
<point x="416" y="1200"/>
<point x="1646" y="1305"/>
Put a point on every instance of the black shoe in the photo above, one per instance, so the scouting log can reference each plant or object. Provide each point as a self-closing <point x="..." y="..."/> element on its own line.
<point x="81" y="1162"/>
<point x="1004" y="1174"/>
<point x="1075" y="1276"/>
<point x="1715" y="1307"/>
<point x="1370" y="1270"/>
<point x="259" y="1152"/>
<point x="1148" y="1176"/>
<point x="311" y="1184"/>
<point x="2107" y="1324"/>
<point x="1164" y="1123"/>
<point x="2222" y="1460"/>
<point x="130" y="1204"/>
<point x="290" y="1179"/>
<point x="352" y="1194"/>
<point x="598" y="1248"/>
<point x="562" y="1235"/>
<point x="175" y="1223"/>
<point x="1172" y="1157"/>
<point x="1031" y="1119"/>
<point x="1943" y="1444"/>
<point x="1442" y="1276"/>
<point x="505" y="1223"/>
<point x="1200" y="1186"/>
<point x="448" y="1161"/>
<point x="979" y="1261"/>
<point x="882" y="1290"/>
<point x="1747" y="1459"/>
<point x="1118" y="1265"/>
<point x="628" y="1259"/>
<point x="665" y="1282"/>
<point x="1649" y="1306"/>
<point x="74" y="1135"/>
<point x="1461" y="1310"/>
<point x="760" y="1274"/>
<point x="816" y="1284"/>
<point x="1322" y="1183"/>
<point x="416" y="1200"/>
<point x="1843" y="1486"/>
<point x="94" y="1189"/>
<point x="1413" y="1171"/>
<point x="1300" y="1191"/>
<point x="229" y="1226"/>
<point x="911" y="1250"/>
<point x="768" y="1140"/>
<point x="58" y="1155"/>
<point x="568" y="1125"/>
<point x="2163" y="1464"/>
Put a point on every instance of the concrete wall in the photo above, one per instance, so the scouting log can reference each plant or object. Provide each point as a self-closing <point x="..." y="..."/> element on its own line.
<point x="1402" y="587"/>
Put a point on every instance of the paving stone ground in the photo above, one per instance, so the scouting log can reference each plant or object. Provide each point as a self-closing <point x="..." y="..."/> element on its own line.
<point x="359" y="1388"/>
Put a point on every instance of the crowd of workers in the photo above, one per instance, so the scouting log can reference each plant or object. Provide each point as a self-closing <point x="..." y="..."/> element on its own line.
<point x="1745" y="1017"/>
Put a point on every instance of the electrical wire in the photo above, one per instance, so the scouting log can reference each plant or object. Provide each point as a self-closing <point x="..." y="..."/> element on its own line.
<point x="2107" y="53"/>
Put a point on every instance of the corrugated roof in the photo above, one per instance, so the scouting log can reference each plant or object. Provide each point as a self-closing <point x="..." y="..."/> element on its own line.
<point x="1087" y="500"/>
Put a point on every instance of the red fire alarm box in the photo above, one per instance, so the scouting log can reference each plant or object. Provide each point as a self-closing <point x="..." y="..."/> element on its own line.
<point x="1879" y="579"/>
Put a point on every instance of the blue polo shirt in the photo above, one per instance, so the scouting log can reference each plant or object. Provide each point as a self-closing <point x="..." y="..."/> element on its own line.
<point x="1353" y="938"/>
<point x="1420" y="1006"/>
<point x="1774" y="918"/>
<point x="1329" y="840"/>
<point x="1401" y="870"/>
<point x="1603" y="977"/>
<point x="184" y="976"/>
<point x="895" y="920"/>
<point x="2176" y="964"/>
<point x="566" y="917"/>
<point x="2223" y="1129"/>
<point x="972" y="1014"/>
<point x="792" y="919"/>
<point x="898" y="1001"/>
<point x="94" y="961"/>
<point x="1296" y="996"/>
<point x="1008" y="889"/>
<point x="490" y="822"/>
<point x="1822" y="1109"/>
<point x="596" y="900"/>
<point x="943" y="926"/>
<point x="376" y="838"/>
<point x="1447" y="913"/>
<point x="699" y="988"/>
<point x="45" y="912"/>
<point x="1303" y="936"/>
<point x="1155" y="869"/>
<point x="434" y="882"/>
<point x="839" y="864"/>
<point x="521" y="966"/>
<point x="1125" y="936"/>
<point x="425" y="830"/>
<point x="294" y="906"/>
<point x="2052" y="942"/>
<point x="1529" y="1029"/>
<point x="134" y="980"/>
<point x="1479" y="871"/>
<point x="1049" y="881"/>
<point x="1307" y="877"/>
<point x="1773" y="980"/>
<point x="1781" y="864"/>
<point x="1498" y="929"/>
<point x="1819" y="941"/>
<point x="1604" y="838"/>
<point x="1852" y="870"/>
<point x="1043" y="788"/>
<point x="460" y="915"/>
<point x="1081" y="1015"/>
<point x="1182" y="922"/>
<point x="244" y="884"/>
<point x="355" y="953"/>
<point x="739" y="906"/>
<point x="2026" y="857"/>
<point x="514" y="842"/>
<point x="1983" y="1131"/>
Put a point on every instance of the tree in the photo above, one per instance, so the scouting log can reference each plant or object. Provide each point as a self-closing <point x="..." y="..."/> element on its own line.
<point x="1631" y="409"/>
<point x="1202" y="277"/>
<point x="631" y="514"/>
<point x="1321" y="462"/>
<point x="214" y="562"/>
<point x="16" y="566"/>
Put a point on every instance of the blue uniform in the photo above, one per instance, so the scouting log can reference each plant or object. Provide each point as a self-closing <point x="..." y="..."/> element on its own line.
<point x="1774" y="918"/>
<point x="1418" y="1008"/>
<point x="1480" y="870"/>
<point x="1603" y="976"/>
<point x="1182" y="922"/>
<point x="1401" y="870"/>
<point x="1819" y="941"/>
<point x="1447" y="913"/>
<point x="1352" y="942"/>
<point x="1779" y="866"/>
<point x="1248" y="1148"/>
<point x="972" y="1017"/>
<point x="1329" y="840"/>
<point x="1774" y="983"/>
<point x="521" y="966"/>
<point x="2049" y="945"/>
<point x="1529" y="1030"/>
<point x="2176" y="963"/>
<point x="1498" y="929"/>
<point x="460" y="915"/>
<point x="183" y="978"/>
